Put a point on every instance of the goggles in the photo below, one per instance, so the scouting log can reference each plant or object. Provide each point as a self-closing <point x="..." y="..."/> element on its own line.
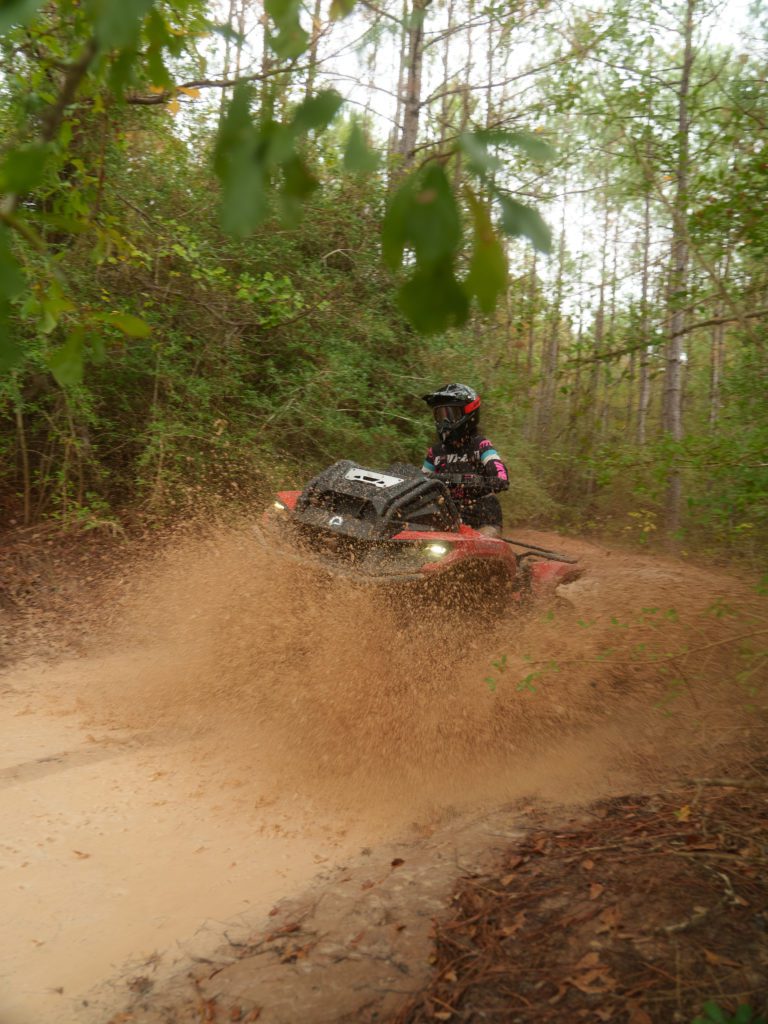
<point x="452" y="413"/>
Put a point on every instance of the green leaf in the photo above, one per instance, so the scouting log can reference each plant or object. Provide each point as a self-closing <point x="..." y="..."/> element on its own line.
<point x="394" y="228"/>
<point x="487" y="276"/>
<point x="358" y="157"/>
<point x="129" y="324"/>
<point x="24" y="168"/>
<point x="341" y="8"/>
<point x="227" y="32"/>
<point x="517" y="219"/>
<point x="318" y="111"/>
<point x="743" y="1014"/>
<point x="298" y="181"/>
<point x="291" y="40"/>
<point x="11" y="350"/>
<point x="423" y="215"/>
<point x="434" y="226"/>
<point x="16" y="12"/>
<point x="244" y="202"/>
<point x="475" y="147"/>
<point x="714" y="1013"/>
<point x="534" y="146"/>
<point x="66" y="363"/>
<point x="433" y="300"/>
<point x="12" y="281"/>
<point x="118" y="22"/>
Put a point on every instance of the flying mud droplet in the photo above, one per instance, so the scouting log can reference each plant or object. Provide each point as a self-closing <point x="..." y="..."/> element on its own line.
<point x="348" y="695"/>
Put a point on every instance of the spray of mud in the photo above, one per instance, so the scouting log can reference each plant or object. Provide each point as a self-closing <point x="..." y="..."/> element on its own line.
<point x="349" y="697"/>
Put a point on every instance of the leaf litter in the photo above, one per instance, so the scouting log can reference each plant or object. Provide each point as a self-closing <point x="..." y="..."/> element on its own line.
<point x="678" y="917"/>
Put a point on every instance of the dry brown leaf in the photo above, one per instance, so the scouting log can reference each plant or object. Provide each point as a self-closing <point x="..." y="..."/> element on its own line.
<point x="596" y="890"/>
<point x="609" y="918"/>
<point x="397" y="862"/>
<point x="684" y="813"/>
<point x="81" y="855"/>
<point x="716" y="960"/>
<point x="593" y="982"/>
<point x="517" y="924"/>
<point x="450" y="976"/>
<point x="561" y="990"/>
<point x="588" y="961"/>
<point x="587" y="864"/>
<point x="637" y="1015"/>
<point x="442" y="1015"/>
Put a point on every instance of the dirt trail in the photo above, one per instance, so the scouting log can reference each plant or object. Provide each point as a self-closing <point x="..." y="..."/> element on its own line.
<point x="240" y="725"/>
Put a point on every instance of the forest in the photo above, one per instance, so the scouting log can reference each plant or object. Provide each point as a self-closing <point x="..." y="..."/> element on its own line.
<point x="239" y="242"/>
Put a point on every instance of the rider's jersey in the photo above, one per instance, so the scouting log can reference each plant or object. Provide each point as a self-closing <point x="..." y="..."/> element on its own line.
<point x="477" y="503"/>
<point x="474" y="455"/>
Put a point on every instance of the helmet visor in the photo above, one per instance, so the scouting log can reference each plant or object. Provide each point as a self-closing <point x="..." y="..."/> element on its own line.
<point x="452" y="413"/>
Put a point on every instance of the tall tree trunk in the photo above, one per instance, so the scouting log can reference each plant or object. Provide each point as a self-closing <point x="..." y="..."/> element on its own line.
<point x="548" y="384"/>
<point x="644" y="394"/>
<point x="227" y="60"/>
<point x="445" y="105"/>
<point x="317" y="25"/>
<point x="414" y="69"/>
<point x="717" y="352"/>
<point x="465" y="95"/>
<point x="397" y="130"/>
<point x="672" y="421"/>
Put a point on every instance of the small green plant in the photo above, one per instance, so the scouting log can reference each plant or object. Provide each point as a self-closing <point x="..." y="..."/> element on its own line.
<point x="713" y="1014"/>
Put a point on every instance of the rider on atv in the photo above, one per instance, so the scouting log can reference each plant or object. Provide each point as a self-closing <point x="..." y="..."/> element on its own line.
<point x="466" y="460"/>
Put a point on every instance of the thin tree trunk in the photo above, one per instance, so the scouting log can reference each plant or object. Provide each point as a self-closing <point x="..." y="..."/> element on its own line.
<point x="25" y="474"/>
<point x="465" y="95"/>
<point x="414" y="69"/>
<point x="552" y="350"/>
<point x="227" y="60"/>
<point x="717" y="352"/>
<point x="673" y="381"/>
<point x="445" y="105"/>
<point x="644" y="395"/>
<point x="313" y="46"/>
<point x="397" y="130"/>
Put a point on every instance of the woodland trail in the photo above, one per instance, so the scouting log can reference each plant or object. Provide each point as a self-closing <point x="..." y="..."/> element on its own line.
<point x="237" y="733"/>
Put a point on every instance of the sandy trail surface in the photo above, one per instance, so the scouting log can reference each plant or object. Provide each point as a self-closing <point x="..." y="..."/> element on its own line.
<point x="238" y="726"/>
<point x="114" y="855"/>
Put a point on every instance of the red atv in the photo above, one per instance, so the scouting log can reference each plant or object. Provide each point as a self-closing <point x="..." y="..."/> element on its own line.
<point x="402" y="527"/>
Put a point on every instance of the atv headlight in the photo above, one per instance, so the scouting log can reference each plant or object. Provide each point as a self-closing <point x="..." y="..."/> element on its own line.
<point x="279" y="506"/>
<point x="436" y="550"/>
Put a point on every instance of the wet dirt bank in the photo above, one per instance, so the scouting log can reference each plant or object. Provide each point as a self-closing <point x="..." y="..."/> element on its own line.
<point x="236" y="725"/>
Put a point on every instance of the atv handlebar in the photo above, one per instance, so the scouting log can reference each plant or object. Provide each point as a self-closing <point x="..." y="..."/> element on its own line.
<point x="473" y="482"/>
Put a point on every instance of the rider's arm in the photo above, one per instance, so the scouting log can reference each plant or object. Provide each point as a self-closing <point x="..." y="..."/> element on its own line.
<point x="494" y="471"/>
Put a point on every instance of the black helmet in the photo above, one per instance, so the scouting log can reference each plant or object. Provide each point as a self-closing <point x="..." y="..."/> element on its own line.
<point x="456" y="409"/>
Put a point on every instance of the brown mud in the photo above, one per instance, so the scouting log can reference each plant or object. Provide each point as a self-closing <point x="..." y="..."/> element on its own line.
<point x="237" y="720"/>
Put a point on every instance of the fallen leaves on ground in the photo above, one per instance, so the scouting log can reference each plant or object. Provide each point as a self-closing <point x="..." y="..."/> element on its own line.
<point x="678" y="917"/>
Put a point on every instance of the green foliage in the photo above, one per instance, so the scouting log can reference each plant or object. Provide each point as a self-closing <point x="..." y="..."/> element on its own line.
<point x="250" y="156"/>
<point x="423" y="233"/>
<point x="714" y="1014"/>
